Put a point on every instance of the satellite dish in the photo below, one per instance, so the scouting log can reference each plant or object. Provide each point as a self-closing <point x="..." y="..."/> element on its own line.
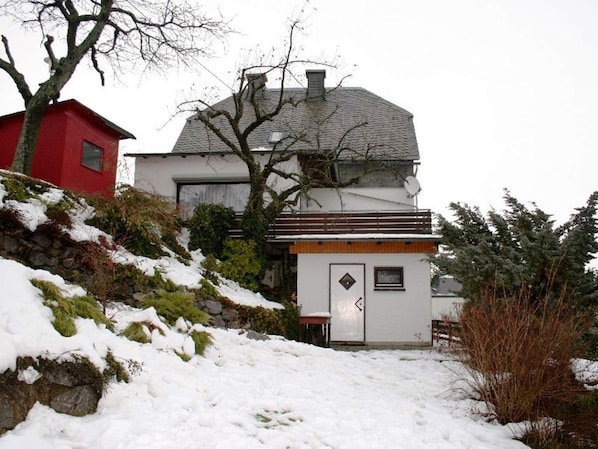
<point x="412" y="185"/>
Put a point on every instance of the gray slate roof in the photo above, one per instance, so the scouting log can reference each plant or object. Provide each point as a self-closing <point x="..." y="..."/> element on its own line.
<point x="389" y="133"/>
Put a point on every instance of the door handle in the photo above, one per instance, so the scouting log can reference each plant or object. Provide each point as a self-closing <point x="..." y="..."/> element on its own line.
<point x="359" y="305"/>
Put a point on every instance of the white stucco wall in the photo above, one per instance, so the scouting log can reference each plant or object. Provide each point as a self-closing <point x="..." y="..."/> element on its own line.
<point x="447" y="307"/>
<point x="160" y="174"/>
<point x="390" y="316"/>
<point x="363" y="198"/>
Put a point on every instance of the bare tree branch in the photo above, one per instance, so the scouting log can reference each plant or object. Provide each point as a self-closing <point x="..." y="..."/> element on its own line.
<point x="114" y="33"/>
<point x="10" y="68"/>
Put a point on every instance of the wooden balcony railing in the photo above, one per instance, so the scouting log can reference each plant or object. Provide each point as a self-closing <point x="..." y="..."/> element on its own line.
<point x="300" y="223"/>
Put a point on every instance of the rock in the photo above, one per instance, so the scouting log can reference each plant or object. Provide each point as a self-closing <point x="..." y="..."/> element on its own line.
<point x="229" y="314"/>
<point x="217" y="321"/>
<point x="253" y="335"/>
<point x="41" y="240"/>
<point x="41" y="260"/>
<point x="10" y="245"/>
<point x="61" y="375"/>
<point x="69" y="387"/>
<point x="214" y="307"/>
<point x="77" y="401"/>
<point x="6" y="415"/>
<point x="16" y="398"/>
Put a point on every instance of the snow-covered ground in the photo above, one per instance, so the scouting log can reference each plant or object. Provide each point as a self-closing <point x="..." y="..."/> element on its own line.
<point x="242" y="393"/>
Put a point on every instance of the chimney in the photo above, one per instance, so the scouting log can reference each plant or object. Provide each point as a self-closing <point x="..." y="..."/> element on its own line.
<point x="315" y="84"/>
<point x="255" y="82"/>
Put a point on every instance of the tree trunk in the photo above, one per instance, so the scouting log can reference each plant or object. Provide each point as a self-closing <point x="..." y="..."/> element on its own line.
<point x="254" y="223"/>
<point x="25" y="151"/>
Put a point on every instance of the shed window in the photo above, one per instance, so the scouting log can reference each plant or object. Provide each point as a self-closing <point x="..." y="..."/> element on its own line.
<point x="388" y="278"/>
<point x="92" y="156"/>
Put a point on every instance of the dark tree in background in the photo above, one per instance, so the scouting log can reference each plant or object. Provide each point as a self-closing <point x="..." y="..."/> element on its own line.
<point x="521" y="248"/>
<point x="111" y="33"/>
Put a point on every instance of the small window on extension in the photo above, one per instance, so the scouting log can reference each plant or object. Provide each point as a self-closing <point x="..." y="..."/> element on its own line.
<point x="92" y="156"/>
<point x="388" y="278"/>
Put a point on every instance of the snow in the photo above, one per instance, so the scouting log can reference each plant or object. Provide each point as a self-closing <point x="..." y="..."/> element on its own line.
<point x="243" y="393"/>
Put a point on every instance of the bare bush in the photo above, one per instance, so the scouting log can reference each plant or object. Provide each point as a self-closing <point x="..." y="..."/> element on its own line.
<point x="518" y="353"/>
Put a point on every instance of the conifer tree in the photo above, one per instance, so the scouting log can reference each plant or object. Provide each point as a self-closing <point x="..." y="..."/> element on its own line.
<point x="501" y="253"/>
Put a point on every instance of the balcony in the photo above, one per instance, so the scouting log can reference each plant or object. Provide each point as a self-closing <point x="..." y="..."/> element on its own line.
<point x="309" y="223"/>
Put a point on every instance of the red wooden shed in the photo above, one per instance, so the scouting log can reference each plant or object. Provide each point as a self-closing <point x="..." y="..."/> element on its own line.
<point x="77" y="148"/>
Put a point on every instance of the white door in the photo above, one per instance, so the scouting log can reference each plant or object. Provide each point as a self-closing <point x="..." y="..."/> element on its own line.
<point x="347" y="302"/>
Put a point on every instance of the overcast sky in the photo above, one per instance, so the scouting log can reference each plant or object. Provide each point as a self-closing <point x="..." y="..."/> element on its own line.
<point x="504" y="92"/>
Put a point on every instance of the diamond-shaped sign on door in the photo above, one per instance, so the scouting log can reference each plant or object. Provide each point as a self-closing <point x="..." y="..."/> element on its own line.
<point x="347" y="281"/>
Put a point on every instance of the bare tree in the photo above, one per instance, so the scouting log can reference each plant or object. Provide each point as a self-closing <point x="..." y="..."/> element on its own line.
<point x="252" y="108"/>
<point x="112" y="33"/>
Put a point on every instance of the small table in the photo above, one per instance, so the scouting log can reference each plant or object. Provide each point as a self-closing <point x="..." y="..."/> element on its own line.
<point x="315" y="329"/>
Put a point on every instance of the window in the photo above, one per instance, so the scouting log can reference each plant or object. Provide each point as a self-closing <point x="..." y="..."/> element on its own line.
<point x="319" y="168"/>
<point x="92" y="156"/>
<point x="375" y="173"/>
<point x="233" y="195"/>
<point x="388" y="278"/>
<point x="276" y="136"/>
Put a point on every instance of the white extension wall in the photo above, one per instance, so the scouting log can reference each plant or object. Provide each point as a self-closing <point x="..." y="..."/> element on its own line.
<point x="391" y="317"/>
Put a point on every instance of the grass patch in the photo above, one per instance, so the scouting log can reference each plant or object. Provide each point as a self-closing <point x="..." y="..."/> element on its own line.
<point x="22" y="188"/>
<point x="173" y="305"/>
<point x="136" y="331"/>
<point x="59" y="213"/>
<point x="115" y="369"/>
<point x="66" y="310"/>
<point x="202" y="340"/>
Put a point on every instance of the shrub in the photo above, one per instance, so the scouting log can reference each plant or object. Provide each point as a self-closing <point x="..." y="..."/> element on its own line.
<point x="208" y="228"/>
<point x="290" y="320"/>
<point x="141" y="222"/>
<point x="202" y="340"/>
<point x="172" y="305"/>
<point x="59" y="213"/>
<point x="210" y="266"/>
<point x="518" y="353"/>
<point x="21" y="188"/>
<point x="262" y="320"/>
<point x="571" y="426"/>
<point x="284" y="322"/>
<point x="207" y="288"/>
<point x="242" y="263"/>
<point x="65" y="310"/>
<point x="114" y="368"/>
<point x="136" y="331"/>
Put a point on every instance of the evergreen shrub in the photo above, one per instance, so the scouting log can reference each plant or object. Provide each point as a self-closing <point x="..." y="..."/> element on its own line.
<point x="242" y="263"/>
<point x="143" y="223"/>
<point x="208" y="228"/>
<point x="66" y="310"/>
<point x="173" y="305"/>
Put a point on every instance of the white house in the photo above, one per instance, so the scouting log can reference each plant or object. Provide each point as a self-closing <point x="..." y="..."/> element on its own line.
<point x="361" y="251"/>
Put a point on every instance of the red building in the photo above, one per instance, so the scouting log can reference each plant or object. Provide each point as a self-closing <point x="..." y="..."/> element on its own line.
<point x="77" y="148"/>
